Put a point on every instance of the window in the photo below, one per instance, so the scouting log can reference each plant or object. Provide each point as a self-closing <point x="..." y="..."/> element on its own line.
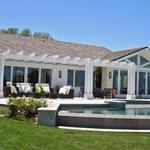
<point x="142" y="76"/>
<point x="148" y="83"/>
<point x="147" y="66"/>
<point x="7" y="74"/>
<point x="18" y="74"/>
<point x="97" y="76"/>
<point x="134" y="59"/>
<point x="70" y="77"/>
<point x="123" y="81"/>
<point x="33" y="75"/>
<point x="115" y="79"/>
<point x="79" y="78"/>
<point x="143" y="60"/>
<point x="46" y="76"/>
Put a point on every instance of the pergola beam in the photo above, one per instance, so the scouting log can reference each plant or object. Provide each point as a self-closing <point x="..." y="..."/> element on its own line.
<point x="66" y="60"/>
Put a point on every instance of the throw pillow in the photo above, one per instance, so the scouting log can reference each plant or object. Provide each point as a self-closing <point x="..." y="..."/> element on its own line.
<point x="38" y="89"/>
<point x="62" y="90"/>
<point x="27" y="89"/>
<point x="46" y="89"/>
<point x="42" y="89"/>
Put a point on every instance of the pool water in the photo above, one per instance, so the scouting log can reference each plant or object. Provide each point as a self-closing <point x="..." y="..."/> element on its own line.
<point x="144" y="110"/>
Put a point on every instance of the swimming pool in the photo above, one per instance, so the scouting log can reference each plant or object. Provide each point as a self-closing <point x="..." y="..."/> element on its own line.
<point x="142" y="110"/>
<point x="132" y="116"/>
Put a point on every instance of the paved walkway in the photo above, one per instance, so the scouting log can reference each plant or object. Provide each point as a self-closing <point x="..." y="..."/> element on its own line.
<point x="4" y="101"/>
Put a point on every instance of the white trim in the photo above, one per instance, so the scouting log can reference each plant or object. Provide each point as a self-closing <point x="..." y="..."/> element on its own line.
<point x="66" y="60"/>
<point x="130" y="55"/>
<point x="39" y="77"/>
<point x="26" y="75"/>
<point x="1" y="74"/>
<point x="146" y="83"/>
<point x="11" y="75"/>
<point x="137" y="88"/>
<point x="145" y="64"/>
<point x="32" y="54"/>
<point x="44" y="55"/>
<point x="19" y="53"/>
<point x="119" y="81"/>
<point x="6" y="52"/>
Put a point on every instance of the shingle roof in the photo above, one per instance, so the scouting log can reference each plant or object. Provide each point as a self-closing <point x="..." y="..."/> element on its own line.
<point x="120" y="54"/>
<point x="51" y="47"/>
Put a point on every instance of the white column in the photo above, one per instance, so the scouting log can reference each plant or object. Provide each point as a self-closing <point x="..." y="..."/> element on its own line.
<point x="88" y="89"/>
<point x="11" y="76"/>
<point x="146" y="83"/>
<point x="137" y="83"/>
<point x="119" y="80"/>
<point x="1" y="74"/>
<point x="26" y="75"/>
<point x="39" y="75"/>
<point x="131" y="83"/>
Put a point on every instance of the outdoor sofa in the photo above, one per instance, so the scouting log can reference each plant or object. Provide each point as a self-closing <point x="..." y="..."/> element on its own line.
<point x="41" y="90"/>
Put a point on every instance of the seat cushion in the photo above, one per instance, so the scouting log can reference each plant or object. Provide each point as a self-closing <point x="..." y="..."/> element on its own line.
<point x="63" y="90"/>
<point x="46" y="89"/>
<point x="8" y="84"/>
<point x="27" y="89"/>
<point x="68" y="88"/>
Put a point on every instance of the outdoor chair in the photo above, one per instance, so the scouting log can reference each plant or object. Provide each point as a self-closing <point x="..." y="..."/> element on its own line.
<point x="66" y="92"/>
<point x="42" y="90"/>
<point x="107" y="93"/>
<point x="24" y="89"/>
<point x="10" y="90"/>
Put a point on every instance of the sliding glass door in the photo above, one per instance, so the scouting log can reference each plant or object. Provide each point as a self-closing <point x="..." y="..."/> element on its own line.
<point x="33" y="75"/>
<point x="142" y="79"/>
<point x="123" y="81"/>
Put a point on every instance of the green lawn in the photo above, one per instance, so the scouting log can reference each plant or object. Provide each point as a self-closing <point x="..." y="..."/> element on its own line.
<point x="18" y="135"/>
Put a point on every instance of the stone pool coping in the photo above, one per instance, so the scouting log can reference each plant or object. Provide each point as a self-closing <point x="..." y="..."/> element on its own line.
<point x="54" y="116"/>
<point x="104" y="130"/>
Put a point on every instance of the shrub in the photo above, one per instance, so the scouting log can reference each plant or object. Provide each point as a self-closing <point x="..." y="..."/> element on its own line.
<point x="25" y="107"/>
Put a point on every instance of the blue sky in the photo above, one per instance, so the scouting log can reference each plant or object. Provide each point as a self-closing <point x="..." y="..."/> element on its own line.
<point x="116" y="24"/>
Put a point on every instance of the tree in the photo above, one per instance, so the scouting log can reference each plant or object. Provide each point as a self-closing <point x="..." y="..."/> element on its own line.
<point x="13" y="31"/>
<point x="42" y="35"/>
<point x="2" y="31"/>
<point x="26" y="32"/>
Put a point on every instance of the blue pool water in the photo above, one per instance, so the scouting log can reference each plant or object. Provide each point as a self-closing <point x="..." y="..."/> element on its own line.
<point x="135" y="110"/>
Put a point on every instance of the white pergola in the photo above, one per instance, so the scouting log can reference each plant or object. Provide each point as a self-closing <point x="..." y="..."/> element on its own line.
<point x="88" y="63"/>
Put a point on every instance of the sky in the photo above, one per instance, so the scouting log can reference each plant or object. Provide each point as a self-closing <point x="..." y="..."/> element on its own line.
<point x="115" y="24"/>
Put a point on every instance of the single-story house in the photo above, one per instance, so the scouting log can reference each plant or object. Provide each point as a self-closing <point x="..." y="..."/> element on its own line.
<point x="31" y="60"/>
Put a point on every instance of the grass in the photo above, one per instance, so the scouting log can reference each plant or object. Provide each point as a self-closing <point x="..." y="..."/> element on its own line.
<point x="4" y="110"/>
<point x="16" y="135"/>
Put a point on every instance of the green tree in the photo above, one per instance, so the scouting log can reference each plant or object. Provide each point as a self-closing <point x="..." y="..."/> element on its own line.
<point x="26" y="32"/>
<point x="42" y="35"/>
<point x="13" y="31"/>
